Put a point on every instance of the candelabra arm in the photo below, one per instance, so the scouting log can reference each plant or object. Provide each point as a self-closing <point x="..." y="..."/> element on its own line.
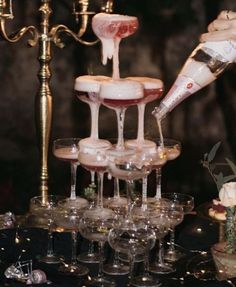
<point x="59" y="29"/>
<point x="19" y="34"/>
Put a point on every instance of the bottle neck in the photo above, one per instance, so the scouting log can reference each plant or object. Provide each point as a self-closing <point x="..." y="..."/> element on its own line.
<point x="160" y="112"/>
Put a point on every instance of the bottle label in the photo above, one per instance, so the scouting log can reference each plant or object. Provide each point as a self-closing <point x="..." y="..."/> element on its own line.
<point x="182" y="88"/>
<point x="227" y="49"/>
<point x="215" y="65"/>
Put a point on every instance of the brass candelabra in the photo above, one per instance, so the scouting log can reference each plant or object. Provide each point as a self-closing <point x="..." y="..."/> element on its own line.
<point x="44" y="36"/>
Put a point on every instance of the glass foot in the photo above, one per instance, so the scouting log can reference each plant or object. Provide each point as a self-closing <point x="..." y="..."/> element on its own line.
<point x="89" y="258"/>
<point x="77" y="270"/>
<point x="116" y="269"/>
<point x="100" y="282"/>
<point x="202" y="267"/>
<point x="145" y="281"/>
<point x="125" y="257"/>
<point x="161" y="268"/>
<point x="173" y="255"/>
<point x="50" y="259"/>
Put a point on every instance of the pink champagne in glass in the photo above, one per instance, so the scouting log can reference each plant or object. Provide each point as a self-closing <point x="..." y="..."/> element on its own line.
<point x="118" y="95"/>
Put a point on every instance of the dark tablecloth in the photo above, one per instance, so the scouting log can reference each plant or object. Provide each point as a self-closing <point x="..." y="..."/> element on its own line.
<point x="194" y="234"/>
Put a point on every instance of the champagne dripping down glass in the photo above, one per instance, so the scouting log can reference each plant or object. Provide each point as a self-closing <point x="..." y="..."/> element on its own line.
<point x="172" y="149"/>
<point x="87" y="89"/>
<point x="152" y="89"/>
<point x="119" y="95"/>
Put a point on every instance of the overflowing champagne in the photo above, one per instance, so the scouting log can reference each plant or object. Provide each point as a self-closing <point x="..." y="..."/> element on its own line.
<point x="207" y="61"/>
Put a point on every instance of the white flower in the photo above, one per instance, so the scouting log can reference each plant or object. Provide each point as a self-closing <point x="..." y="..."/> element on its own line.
<point x="227" y="194"/>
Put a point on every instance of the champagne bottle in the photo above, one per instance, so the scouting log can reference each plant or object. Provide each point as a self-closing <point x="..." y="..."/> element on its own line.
<point x="207" y="61"/>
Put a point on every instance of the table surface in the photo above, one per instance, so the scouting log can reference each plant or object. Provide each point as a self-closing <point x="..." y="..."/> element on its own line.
<point x="193" y="235"/>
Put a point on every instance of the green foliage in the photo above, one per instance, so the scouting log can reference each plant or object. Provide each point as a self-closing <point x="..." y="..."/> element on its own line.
<point x="230" y="230"/>
<point x="219" y="178"/>
<point x="90" y="192"/>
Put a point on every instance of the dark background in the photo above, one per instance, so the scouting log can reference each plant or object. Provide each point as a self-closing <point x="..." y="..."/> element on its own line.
<point x="168" y="32"/>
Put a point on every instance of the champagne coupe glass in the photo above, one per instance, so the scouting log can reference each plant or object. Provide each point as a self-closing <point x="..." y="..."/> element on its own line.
<point x="95" y="159"/>
<point x="132" y="237"/>
<point x="67" y="220"/>
<point x="118" y="202"/>
<point x="95" y="225"/>
<point x="128" y="165"/>
<point x="87" y="89"/>
<point x="110" y="29"/>
<point x="175" y="216"/>
<point x="90" y="255"/>
<point x="42" y="215"/>
<point x="158" y="158"/>
<point x="186" y="201"/>
<point x="97" y="220"/>
<point x="153" y="89"/>
<point x="119" y="205"/>
<point x="119" y="95"/>
<point x="172" y="148"/>
<point x="67" y="149"/>
<point x="157" y="219"/>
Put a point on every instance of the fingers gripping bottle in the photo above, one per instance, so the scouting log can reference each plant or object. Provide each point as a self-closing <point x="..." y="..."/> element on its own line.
<point x="207" y="61"/>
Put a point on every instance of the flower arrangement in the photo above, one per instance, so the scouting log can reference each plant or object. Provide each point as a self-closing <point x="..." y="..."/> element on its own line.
<point x="227" y="193"/>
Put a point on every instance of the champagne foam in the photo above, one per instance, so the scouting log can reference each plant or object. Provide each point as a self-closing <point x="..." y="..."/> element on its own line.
<point x="121" y="90"/>
<point x="92" y="152"/>
<point x="89" y="83"/>
<point x="93" y="146"/>
<point x="148" y="83"/>
<point x="66" y="153"/>
<point x="91" y="160"/>
<point x="148" y="145"/>
<point x="113" y="17"/>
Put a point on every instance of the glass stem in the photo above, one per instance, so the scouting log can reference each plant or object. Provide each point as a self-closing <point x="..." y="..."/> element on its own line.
<point x="116" y="187"/>
<point x="101" y="256"/>
<point x="131" y="269"/>
<point x="100" y="189"/>
<point x="158" y="183"/>
<point x="129" y="197"/>
<point x="160" y="254"/>
<point x="50" y="251"/>
<point x="94" y="108"/>
<point x="92" y="177"/>
<point x="144" y="193"/>
<point x="116" y="260"/>
<point x="172" y="240"/>
<point x="73" y="180"/>
<point x="91" y="247"/>
<point x="120" y="113"/>
<point x="74" y="248"/>
<point x="146" y="262"/>
<point x="116" y="70"/>
<point x="141" y="111"/>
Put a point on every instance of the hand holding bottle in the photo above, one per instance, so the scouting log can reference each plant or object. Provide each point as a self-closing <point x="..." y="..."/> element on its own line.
<point x="222" y="28"/>
<point x="207" y="62"/>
